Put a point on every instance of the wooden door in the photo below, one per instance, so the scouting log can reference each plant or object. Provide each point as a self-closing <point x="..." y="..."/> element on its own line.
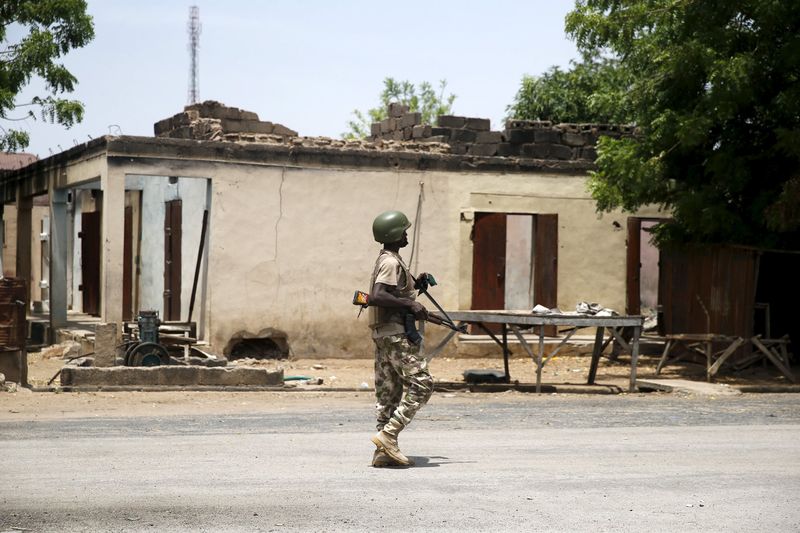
<point x="172" y="260"/>
<point x="489" y="261"/>
<point x="633" y="297"/>
<point x="90" y="262"/>
<point x="127" y="267"/>
<point x="545" y="273"/>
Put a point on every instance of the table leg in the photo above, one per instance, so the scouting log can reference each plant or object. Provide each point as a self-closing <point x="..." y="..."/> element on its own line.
<point x="596" y="351"/>
<point x="539" y="361"/>
<point x="634" y="356"/>
<point x="709" y="355"/>
<point x="505" y="353"/>
<point x="663" y="357"/>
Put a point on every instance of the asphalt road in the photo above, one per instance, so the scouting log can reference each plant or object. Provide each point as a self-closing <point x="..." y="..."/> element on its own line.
<point x="484" y="463"/>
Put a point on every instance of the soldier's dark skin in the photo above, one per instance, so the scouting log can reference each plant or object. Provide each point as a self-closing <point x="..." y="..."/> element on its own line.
<point x="382" y="295"/>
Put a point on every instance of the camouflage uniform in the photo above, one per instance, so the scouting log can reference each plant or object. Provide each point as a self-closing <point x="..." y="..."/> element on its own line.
<point x="398" y="363"/>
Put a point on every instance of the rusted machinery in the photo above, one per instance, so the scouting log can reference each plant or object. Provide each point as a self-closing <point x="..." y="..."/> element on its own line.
<point x="146" y="350"/>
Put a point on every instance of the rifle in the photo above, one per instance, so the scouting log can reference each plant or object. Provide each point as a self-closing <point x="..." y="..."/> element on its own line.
<point x="361" y="299"/>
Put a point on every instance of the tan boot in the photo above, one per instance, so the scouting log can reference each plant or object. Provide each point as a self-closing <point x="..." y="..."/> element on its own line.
<point x="380" y="459"/>
<point x="388" y="444"/>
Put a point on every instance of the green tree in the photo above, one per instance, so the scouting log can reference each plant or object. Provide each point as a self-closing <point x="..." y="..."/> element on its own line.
<point x="716" y="96"/>
<point x="52" y="28"/>
<point x="592" y="90"/>
<point x="425" y="100"/>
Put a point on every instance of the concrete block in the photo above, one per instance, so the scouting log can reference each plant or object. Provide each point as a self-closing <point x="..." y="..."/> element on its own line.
<point x="184" y="132"/>
<point x="527" y="124"/>
<point x="450" y="121"/>
<point x="434" y="139"/>
<point x="421" y="130"/>
<point x="465" y="136"/>
<point x="587" y="152"/>
<point x="520" y="136"/>
<point x="105" y="344"/>
<point x="444" y="132"/>
<point x="484" y="150"/>
<point x="458" y="148"/>
<point x="162" y="126"/>
<point x="247" y="126"/>
<point x="280" y="129"/>
<point x="396" y="110"/>
<point x="176" y="376"/>
<point x="573" y="139"/>
<point x="547" y="136"/>
<point x="508" y="149"/>
<point x="375" y="129"/>
<point x="489" y="137"/>
<point x="547" y="151"/>
<point x="477" y="124"/>
<point x="397" y="135"/>
<point x="408" y="133"/>
<point x="410" y="119"/>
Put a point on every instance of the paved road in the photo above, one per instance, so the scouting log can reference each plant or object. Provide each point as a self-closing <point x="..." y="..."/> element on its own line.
<point x="485" y="463"/>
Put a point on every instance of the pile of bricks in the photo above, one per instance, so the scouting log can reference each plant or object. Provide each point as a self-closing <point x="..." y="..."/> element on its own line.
<point x="212" y="121"/>
<point x="521" y="138"/>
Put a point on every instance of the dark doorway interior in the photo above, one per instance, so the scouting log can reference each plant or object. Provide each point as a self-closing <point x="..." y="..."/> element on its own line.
<point x="172" y="260"/>
<point x="90" y="262"/>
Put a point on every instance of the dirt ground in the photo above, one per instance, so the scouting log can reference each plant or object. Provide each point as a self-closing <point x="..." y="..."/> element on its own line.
<point x="343" y="380"/>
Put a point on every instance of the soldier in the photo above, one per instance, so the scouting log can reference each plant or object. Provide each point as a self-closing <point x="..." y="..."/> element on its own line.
<point x="399" y="364"/>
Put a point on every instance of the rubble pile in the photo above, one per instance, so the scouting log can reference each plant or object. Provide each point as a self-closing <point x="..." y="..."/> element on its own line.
<point x="213" y="121"/>
<point x="473" y="136"/>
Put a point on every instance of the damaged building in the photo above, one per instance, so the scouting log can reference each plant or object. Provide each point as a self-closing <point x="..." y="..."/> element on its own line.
<point x="260" y="236"/>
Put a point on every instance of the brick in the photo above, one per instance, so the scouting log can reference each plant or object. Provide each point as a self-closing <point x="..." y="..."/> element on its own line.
<point x="410" y="119"/>
<point x="421" y="130"/>
<point x="520" y="136"/>
<point x="450" y="121"/>
<point x="396" y="110"/>
<point x="547" y="136"/>
<point x="477" y="124"/>
<point x="489" y="137"/>
<point x="485" y="150"/>
<point x="466" y="136"/>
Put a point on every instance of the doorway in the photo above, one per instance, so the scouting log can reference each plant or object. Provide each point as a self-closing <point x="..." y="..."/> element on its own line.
<point x="642" y="267"/>
<point x="515" y="261"/>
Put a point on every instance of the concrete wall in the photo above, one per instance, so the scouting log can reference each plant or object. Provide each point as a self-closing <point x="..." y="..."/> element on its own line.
<point x="289" y="246"/>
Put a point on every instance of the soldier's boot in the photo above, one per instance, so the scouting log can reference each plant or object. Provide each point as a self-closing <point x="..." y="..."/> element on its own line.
<point x="388" y="443"/>
<point x="381" y="460"/>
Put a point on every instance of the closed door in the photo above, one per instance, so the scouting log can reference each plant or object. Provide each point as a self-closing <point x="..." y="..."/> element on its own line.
<point x="90" y="262"/>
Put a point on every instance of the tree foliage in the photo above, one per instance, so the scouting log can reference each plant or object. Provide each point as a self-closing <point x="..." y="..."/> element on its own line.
<point x="52" y="28"/>
<point x="715" y="92"/>
<point x="591" y="90"/>
<point x="423" y="99"/>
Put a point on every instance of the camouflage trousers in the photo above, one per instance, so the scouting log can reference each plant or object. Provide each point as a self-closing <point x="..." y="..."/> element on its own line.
<point x="399" y="365"/>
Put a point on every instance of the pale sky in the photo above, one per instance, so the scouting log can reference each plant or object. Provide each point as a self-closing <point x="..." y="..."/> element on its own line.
<point x="306" y="64"/>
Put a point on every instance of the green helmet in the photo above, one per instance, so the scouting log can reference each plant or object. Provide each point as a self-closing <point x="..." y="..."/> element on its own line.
<point x="389" y="226"/>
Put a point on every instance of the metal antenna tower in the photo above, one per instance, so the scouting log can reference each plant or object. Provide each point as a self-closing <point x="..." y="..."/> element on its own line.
<point x="194" y="45"/>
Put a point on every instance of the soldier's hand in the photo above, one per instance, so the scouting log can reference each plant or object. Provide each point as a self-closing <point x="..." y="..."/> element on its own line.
<point x="420" y="313"/>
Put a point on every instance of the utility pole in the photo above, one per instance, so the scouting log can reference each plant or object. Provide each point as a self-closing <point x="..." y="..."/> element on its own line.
<point x="194" y="45"/>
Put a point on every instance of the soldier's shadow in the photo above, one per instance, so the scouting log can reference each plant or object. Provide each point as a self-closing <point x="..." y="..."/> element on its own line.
<point x="434" y="461"/>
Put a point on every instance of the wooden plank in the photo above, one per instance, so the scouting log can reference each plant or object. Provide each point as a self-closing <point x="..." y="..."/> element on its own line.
<point x="725" y="355"/>
<point x="633" y="297"/>
<point x="775" y="360"/>
<point x="663" y="360"/>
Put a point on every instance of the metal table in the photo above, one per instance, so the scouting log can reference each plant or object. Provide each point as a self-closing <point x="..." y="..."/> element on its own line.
<point x="514" y="320"/>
